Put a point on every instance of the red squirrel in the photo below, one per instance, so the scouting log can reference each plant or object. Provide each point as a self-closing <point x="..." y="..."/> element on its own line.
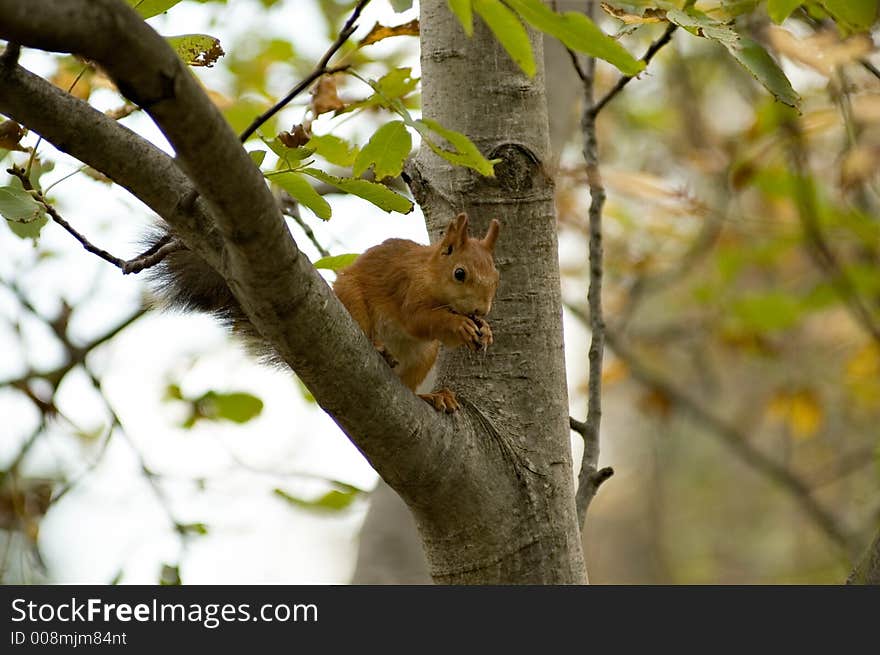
<point x="407" y="298"/>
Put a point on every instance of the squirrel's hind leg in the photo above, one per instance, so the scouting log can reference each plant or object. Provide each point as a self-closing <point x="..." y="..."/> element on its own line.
<point x="443" y="400"/>
<point x="386" y="354"/>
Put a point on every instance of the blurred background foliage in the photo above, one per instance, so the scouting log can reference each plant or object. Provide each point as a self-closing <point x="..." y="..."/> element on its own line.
<point x="742" y="244"/>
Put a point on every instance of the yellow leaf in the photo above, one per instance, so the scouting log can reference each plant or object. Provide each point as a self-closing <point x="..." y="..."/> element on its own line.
<point x="380" y="32"/>
<point x="614" y="372"/>
<point x="648" y="15"/>
<point x="800" y="410"/>
<point x="806" y="414"/>
<point x="862" y="376"/>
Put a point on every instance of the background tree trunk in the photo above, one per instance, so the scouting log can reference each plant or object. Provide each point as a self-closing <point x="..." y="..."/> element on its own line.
<point x="389" y="551"/>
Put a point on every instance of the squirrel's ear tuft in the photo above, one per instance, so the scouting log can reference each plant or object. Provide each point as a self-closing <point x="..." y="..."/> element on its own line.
<point x="491" y="235"/>
<point x="456" y="233"/>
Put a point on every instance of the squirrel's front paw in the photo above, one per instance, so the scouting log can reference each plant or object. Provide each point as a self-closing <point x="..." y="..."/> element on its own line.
<point x="484" y="332"/>
<point x="443" y="400"/>
<point x="468" y="332"/>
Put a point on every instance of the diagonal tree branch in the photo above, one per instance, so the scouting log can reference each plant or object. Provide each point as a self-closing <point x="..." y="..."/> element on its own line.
<point x="99" y="141"/>
<point x="285" y="298"/>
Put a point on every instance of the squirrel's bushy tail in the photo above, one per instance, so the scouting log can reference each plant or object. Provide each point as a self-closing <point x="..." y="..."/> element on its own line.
<point x="185" y="282"/>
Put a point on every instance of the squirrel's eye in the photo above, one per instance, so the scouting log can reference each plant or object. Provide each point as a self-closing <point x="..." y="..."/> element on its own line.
<point x="460" y="274"/>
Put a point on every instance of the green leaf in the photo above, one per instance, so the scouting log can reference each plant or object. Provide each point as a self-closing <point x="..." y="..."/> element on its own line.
<point x="577" y="32"/>
<point x="463" y="11"/>
<point x="237" y="407"/>
<point x="858" y="15"/>
<point x="779" y="10"/>
<point x="173" y="392"/>
<point x="196" y="49"/>
<point x="150" y="8"/>
<point x="391" y="86"/>
<point x="397" y="83"/>
<point x="303" y="192"/>
<point x="509" y="31"/>
<point x="257" y="156"/>
<point x="191" y="528"/>
<point x="24" y="215"/>
<point x="399" y="6"/>
<point x="336" y="262"/>
<point x="334" y="149"/>
<point x="386" y="151"/>
<point x="751" y="55"/>
<point x="333" y="501"/>
<point x="465" y="153"/>
<point x="763" y="68"/>
<point x="767" y="312"/>
<point x="287" y="155"/>
<point x="170" y="575"/>
<point x="16" y="204"/>
<point x="378" y="194"/>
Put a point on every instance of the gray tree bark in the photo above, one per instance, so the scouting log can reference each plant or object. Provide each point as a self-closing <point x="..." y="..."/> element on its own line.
<point x="471" y="85"/>
<point x="491" y="486"/>
<point x="390" y="551"/>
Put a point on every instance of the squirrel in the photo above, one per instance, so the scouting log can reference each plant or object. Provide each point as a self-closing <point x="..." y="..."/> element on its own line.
<point x="408" y="298"/>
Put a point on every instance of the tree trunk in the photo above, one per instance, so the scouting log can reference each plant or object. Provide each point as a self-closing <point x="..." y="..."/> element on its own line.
<point x="516" y="521"/>
<point x="390" y="551"/>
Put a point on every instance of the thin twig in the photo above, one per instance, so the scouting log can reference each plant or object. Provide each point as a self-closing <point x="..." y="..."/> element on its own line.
<point x="320" y="70"/>
<point x="587" y="477"/>
<point x="153" y="256"/>
<point x="654" y="48"/>
<point x="150" y="258"/>
<point x="62" y="179"/>
<point x="871" y="68"/>
<point x="290" y="208"/>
